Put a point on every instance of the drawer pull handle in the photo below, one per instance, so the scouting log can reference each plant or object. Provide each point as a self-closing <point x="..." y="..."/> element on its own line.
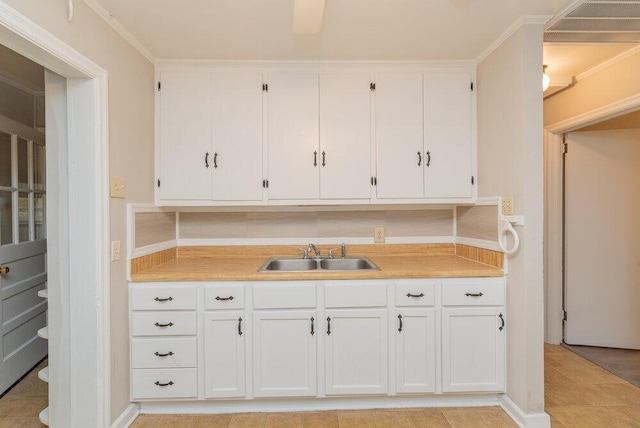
<point x="501" y="319"/>
<point x="415" y="295"/>
<point x="164" y="325"/>
<point x="164" y="384"/>
<point x="168" y="354"/>
<point x="400" y="328"/>
<point x="224" y="298"/>
<point x="473" y="294"/>
<point x="168" y="299"/>
<point x="240" y="326"/>
<point x="312" y="331"/>
<point x="329" y="325"/>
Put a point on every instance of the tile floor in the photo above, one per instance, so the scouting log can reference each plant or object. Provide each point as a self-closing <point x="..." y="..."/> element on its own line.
<point x="577" y="394"/>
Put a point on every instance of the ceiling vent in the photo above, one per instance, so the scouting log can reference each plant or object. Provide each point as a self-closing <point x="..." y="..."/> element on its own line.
<point x="596" y="21"/>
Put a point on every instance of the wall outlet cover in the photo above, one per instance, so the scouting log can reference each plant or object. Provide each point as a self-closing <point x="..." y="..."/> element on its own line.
<point x="508" y="207"/>
<point x="378" y="235"/>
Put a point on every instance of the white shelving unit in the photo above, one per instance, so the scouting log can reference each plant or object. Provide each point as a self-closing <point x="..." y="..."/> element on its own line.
<point x="43" y="374"/>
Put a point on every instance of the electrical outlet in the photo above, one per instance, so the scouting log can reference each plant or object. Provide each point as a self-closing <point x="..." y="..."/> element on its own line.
<point x="508" y="207"/>
<point x="378" y="235"/>
<point x="115" y="251"/>
<point x="118" y="187"/>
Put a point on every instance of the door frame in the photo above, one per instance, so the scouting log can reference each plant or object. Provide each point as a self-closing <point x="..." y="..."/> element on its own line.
<point x="79" y="325"/>
<point x="554" y="211"/>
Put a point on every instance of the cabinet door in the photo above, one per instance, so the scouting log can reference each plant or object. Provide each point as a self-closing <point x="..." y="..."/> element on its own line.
<point x="399" y="134"/>
<point x="345" y="136"/>
<point x="356" y="352"/>
<point x="284" y="354"/>
<point x="236" y="161"/>
<point x="224" y="354"/>
<point x="473" y="350"/>
<point x="294" y="158"/>
<point x="415" y="350"/>
<point x="185" y="135"/>
<point x="447" y="135"/>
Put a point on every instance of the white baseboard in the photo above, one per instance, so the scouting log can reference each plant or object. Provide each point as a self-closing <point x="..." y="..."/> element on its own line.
<point x="525" y="420"/>
<point x="127" y="417"/>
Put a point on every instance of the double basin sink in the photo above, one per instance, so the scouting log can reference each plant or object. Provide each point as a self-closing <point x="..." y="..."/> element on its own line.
<point x="287" y="264"/>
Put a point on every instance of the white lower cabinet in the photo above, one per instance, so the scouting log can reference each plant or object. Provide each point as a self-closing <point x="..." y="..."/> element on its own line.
<point x="415" y="350"/>
<point x="224" y="354"/>
<point x="284" y="353"/>
<point x="267" y="339"/>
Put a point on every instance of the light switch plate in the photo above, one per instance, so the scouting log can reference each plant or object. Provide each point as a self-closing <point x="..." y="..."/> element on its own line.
<point x="115" y="251"/>
<point x="118" y="187"/>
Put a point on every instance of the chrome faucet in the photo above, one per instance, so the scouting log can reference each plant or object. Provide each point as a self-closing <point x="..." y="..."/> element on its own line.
<point x="314" y="249"/>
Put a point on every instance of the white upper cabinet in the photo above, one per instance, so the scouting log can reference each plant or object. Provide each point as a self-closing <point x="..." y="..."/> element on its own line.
<point x="237" y="137"/>
<point x="185" y="135"/>
<point x="345" y="136"/>
<point x="210" y="137"/>
<point x="447" y="135"/>
<point x="294" y="159"/>
<point x="399" y="134"/>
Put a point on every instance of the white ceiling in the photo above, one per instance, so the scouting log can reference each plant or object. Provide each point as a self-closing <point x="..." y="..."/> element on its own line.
<point x="352" y="29"/>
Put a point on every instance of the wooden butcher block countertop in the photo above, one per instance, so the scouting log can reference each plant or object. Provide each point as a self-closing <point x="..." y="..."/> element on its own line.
<point x="241" y="263"/>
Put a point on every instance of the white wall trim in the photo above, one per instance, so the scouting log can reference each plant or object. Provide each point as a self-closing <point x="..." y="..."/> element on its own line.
<point x="596" y="115"/>
<point x="480" y="243"/>
<point x="86" y="332"/>
<point x="523" y="20"/>
<point x="612" y="61"/>
<point x="327" y="403"/>
<point x="127" y="417"/>
<point x="318" y="65"/>
<point x="318" y="241"/>
<point x="115" y="24"/>
<point x="531" y="420"/>
<point x="489" y="200"/>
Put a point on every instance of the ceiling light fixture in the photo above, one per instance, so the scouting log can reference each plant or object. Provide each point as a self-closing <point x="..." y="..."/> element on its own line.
<point x="546" y="80"/>
<point x="307" y="16"/>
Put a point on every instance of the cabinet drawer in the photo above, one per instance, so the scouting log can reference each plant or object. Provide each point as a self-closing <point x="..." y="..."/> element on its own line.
<point x="415" y="294"/>
<point x="164" y="353"/>
<point x="355" y="294"/>
<point x="473" y="294"/>
<point x="159" y="298"/>
<point x="164" y="323"/>
<point x="285" y="296"/>
<point x="227" y="296"/>
<point x="164" y="383"/>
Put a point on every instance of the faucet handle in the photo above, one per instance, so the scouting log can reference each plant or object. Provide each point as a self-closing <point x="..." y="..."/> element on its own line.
<point x="331" y="252"/>
<point x="305" y="253"/>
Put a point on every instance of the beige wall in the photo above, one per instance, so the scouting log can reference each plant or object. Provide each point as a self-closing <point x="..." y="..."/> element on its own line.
<point x="310" y="225"/>
<point x="131" y="93"/>
<point x="607" y="86"/>
<point x="479" y="222"/>
<point x="510" y="164"/>
<point x="154" y="228"/>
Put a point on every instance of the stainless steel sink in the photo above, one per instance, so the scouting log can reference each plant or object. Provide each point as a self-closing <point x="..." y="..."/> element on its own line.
<point x="351" y="263"/>
<point x="285" y="264"/>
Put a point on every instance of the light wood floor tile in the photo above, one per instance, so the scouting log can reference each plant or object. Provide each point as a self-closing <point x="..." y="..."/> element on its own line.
<point x="175" y="421"/>
<point x="429" y="418"/>
<point x="496" y="418"/>
<point x="212" y="421"/>
<point x="356" y="419"/>
<point x="392" y="418"/>
<point x="464" y="417"/>
<point x="248" y="420"/>
<point x="327" y="419"/>
<point x="21" y="423"/>
<point x="591" y="417"/>
<point x="284" y="420"/>
<point x="146" y="421"/>
<point x="633" y="411"/>
<point x="556" y="423"/>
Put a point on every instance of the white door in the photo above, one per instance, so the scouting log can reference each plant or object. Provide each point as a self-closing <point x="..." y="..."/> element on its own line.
<point x="294" y="156"/>
<point x="345" y="136"/>
<point x="399" y="135"/>
<point x="356" y="352"/>
<point x="415" y="350"/>
<point x="284" y="354"/>
<point x="237" y="137"/>
<point x="602" y="239"/>
<point x="185" y="135"/>
<point x="224" y="354"/>
<point x="473" y="350"/>
<point x="23" y="248"/>
<point x="447" y="135"/>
